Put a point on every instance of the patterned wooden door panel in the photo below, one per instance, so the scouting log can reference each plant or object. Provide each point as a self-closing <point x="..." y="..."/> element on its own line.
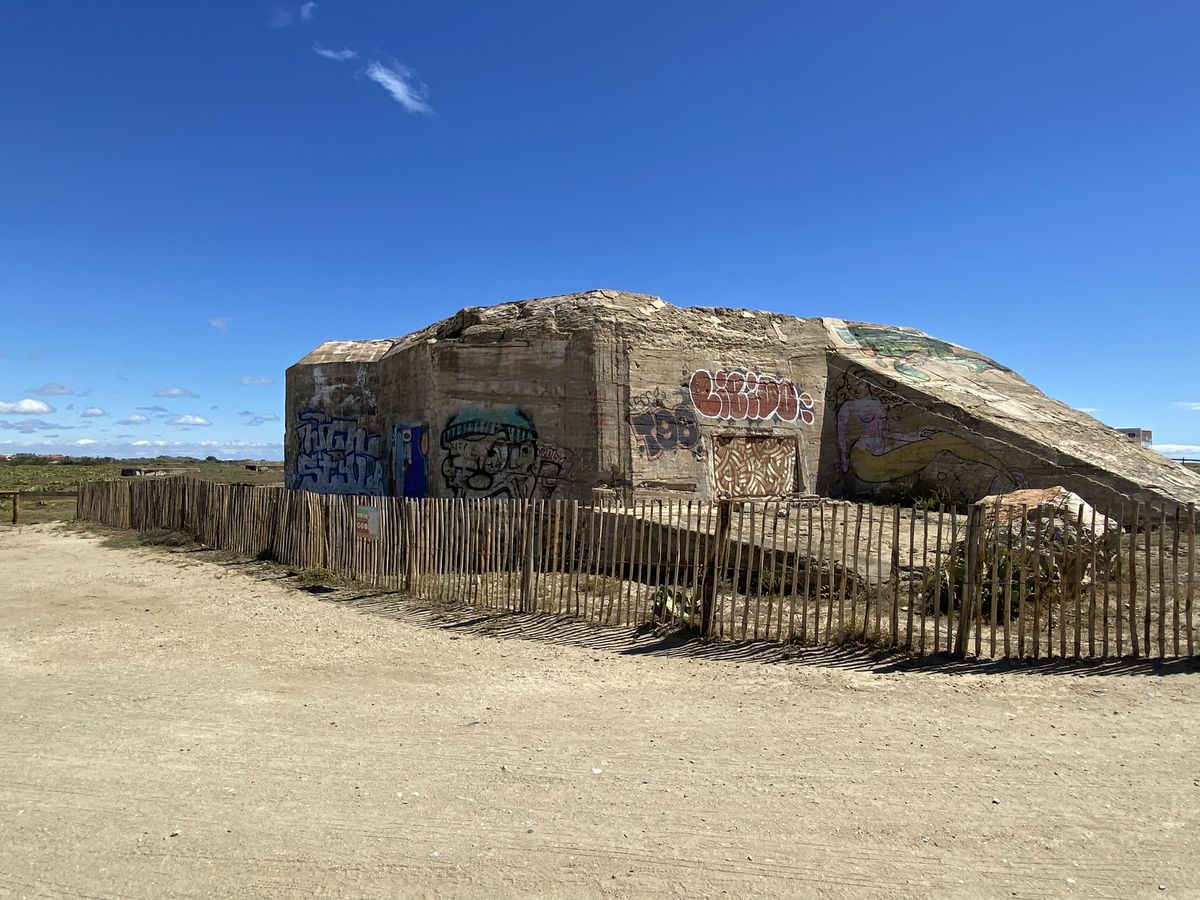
<point x="754" y="466"/>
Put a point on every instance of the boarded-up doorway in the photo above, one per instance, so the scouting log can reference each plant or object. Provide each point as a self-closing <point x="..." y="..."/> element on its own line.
<point x="754" y="465"/>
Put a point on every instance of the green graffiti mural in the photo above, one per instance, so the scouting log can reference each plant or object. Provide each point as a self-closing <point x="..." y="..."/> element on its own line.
<point x="906" y="352"/>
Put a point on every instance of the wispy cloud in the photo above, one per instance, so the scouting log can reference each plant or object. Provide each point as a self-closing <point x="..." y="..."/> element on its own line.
<point x="154" y="409"/>
<point x="1188" y="404"/>
<point x="86" y="442"/>
<point x="52" y="389"/>
<point x="220" y="324"/>
<point x="175" y="392"/>
<point x="26" y="407"/>
<point x="264" y="417"/>
<point x="190" y="420"/>
<point x="254" y="379"/>
<point x="280" y="17"/>
<point x="1178" y="449"/>
<point x="135" y="419"/>
<point x="28" y="426"/>
<point x="343" y="55"/>
<point x="399" y="81"/>
<point x="308" y="10"/>
<point x="93" y="412"/>
<point x="1090" y="410"/>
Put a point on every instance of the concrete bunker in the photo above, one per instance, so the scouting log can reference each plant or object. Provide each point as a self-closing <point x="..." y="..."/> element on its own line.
<point x="604" y="391"/>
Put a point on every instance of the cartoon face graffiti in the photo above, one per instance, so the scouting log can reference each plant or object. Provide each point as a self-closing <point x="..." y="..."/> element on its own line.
<point x="494" y="453"/>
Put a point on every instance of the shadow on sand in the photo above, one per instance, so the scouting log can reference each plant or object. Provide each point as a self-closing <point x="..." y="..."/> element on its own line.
<point x="663" y="641"/>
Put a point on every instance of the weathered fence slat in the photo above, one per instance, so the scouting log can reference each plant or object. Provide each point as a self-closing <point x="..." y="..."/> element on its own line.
<point x="686" y="562"/>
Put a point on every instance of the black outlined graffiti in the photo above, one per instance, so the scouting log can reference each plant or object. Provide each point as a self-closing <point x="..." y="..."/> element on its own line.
<point x="660" y="429"/>
<point x="493" y="452"/>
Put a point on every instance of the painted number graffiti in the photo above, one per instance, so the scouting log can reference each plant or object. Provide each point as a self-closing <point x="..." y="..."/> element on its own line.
<point x="658" y="430"/>
<point x="741" y="394"/>
<point x="337" y="456"/>
<point x="493" y="452"/>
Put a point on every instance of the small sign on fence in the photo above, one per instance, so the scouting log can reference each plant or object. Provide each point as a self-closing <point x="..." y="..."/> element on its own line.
<point x="366" y="521"/>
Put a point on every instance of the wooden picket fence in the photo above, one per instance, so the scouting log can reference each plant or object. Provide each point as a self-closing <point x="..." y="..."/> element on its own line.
<point x="1031" y="582"/>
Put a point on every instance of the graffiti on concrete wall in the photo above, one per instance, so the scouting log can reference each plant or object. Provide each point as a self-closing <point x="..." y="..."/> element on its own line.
<point x="875" y="448"/>
<point x="907" y="351"/>
<point x="337" y="456"/>
<point x="754" y="466"/>
<point x="659" y="428"/>
<point x="410" y="445"/>
<point x="556" y="456"/>
<point x="742" y="394"/>
<point x="494" y="452"/>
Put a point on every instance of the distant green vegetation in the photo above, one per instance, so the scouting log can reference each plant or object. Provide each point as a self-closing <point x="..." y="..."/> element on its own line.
<point x="27" y="472"/>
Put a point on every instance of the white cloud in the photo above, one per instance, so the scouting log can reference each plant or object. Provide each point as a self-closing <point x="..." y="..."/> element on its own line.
<point x="220" y="324"/>
<point x="398" y="81"/>
<point x="28" y="426"/>
<point x="1178" y="449"/>
<point x="343" y="55"/>
<point x="26" y="407"/>
<point x="307" y="11"/>
<point x="254" y="379"/>
<point x="1090" y="410"/>
<point x="280" y="17"/>
<point x="1185" y="404"/>
<point x="53" y="389"/>
<point x="175" y="392"/>
<point x="264" y="417"/>
<point x="86" y="442"/>
<point x="93" y="412"/>
<point x="191" y="420"/>
<point x="135" y="419"/>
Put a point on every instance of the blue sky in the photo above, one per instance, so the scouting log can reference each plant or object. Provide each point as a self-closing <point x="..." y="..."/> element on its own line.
<point x="195" y="195"/>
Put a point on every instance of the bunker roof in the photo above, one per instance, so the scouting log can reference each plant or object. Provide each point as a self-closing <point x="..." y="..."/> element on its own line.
<point x="564" y="314"/>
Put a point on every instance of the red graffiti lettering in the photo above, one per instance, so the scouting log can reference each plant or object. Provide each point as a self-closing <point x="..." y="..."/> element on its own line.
<point x="741" y="394"/>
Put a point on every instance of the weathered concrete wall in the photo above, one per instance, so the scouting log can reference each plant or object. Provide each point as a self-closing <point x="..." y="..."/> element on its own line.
<point x="560" y="396"/>
<point x="334" y="439"/>
<point x="729" y="408"/>
<point x="516" y="432"/>
<point x="908" y="415"/>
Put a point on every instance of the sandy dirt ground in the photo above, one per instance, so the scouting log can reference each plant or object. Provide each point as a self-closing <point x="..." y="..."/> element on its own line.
<point x="175" y="726"/>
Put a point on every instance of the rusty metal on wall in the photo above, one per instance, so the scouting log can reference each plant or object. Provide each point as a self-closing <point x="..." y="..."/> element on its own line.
<point x="754" y="465"/>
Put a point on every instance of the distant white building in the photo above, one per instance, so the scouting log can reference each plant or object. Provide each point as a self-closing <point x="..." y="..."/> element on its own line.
<point x="1143" y="436"/>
